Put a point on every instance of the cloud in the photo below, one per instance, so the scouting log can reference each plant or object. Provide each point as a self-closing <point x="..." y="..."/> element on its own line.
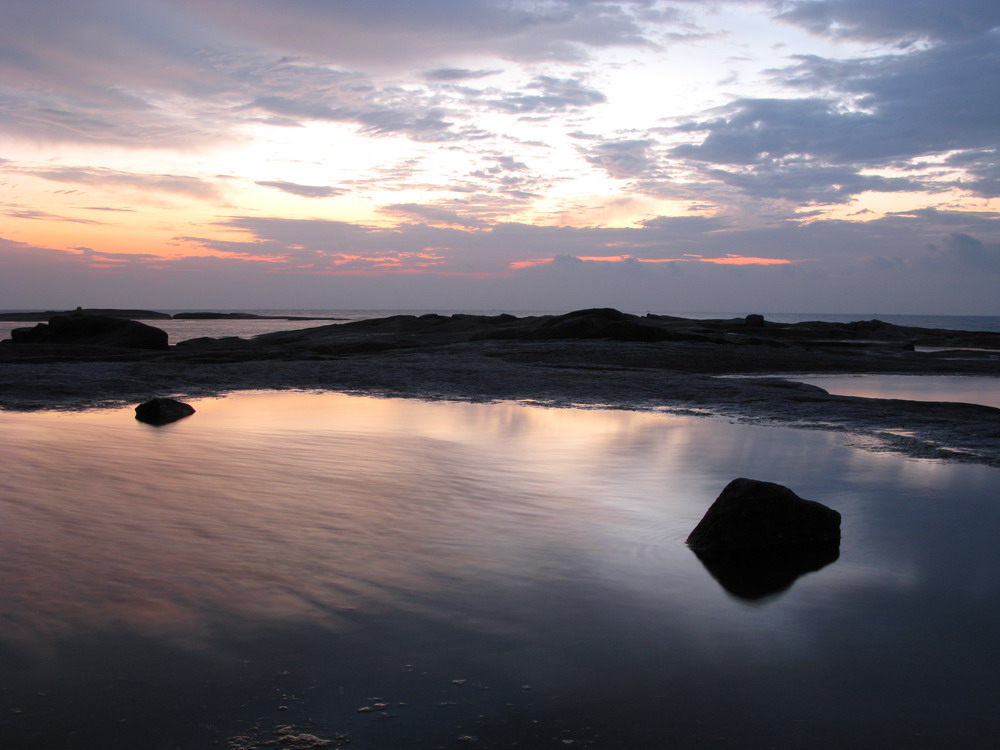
<point x="983" y="166"/>
<point x="20" y="212"/>
<point x="968" y="251"/>
<point x="923" y="101"/>
<point x="860" y="113"/>
<point x="915" y="262"/>
<point x="306" y="191"/>
<point x="96" y="72"/>
<point x="803" y="182"/>
<point x="98" y="176"/>
<point x="456" y="74"/>
<point x="465" y="246"/>
<point x="547" y="94"/>
<point x="622" y="159"/>
<point x="400" y="33"/>
<point x="753" y="129"/>
<point x="894" y="19"/>
<point x="432" y="214"/>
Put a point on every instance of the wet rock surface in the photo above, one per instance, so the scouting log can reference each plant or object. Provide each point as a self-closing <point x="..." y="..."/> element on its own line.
<point x="598" y="357"/>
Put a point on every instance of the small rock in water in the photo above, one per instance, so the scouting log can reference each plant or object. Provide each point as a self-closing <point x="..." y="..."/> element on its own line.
<point x="160" y="411"/>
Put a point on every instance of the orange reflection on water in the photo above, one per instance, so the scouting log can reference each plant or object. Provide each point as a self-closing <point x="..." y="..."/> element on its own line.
<point x="295" y="505"/>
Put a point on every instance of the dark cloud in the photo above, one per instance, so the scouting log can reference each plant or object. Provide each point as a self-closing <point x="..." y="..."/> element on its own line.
<point x="35" y="214"/>
<point x="90" y="72"/>
<point x="547" y="94"/>
<point x="622" y="159"/>
<point x="91" y="117"/>
<point x="306" y="191"/>
<point x="920" y="102"/>
<point x="881" y="111"/>
<point x="968" y="251"/>
<point x="456" y="74"/>
<point x="402" y="32"/>
<point x="894" y="20"/>
<point x="412" y="112"/>
<point x="809" y="183"/>
<point x="431" y="214"/>
<point x="751" y="130"/>
<point x="983" y="166"/>
<point x="165" y="183"/>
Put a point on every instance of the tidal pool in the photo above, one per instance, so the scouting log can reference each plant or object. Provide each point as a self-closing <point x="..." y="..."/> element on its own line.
<point x="964" y="389"/>
<point x="474" y="575"/>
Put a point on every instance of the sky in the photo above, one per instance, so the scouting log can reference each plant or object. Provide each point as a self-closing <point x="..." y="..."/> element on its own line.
<point x="739" y="155"/>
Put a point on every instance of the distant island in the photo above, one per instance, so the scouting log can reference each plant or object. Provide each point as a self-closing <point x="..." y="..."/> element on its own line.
<point x="149" y="315"/>
<point x="738" y="369"/>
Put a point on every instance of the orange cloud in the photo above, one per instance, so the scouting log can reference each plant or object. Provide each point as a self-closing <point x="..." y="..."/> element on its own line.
<point x="730" y="259"/>
<point x="742" y="260"/>
<point x="518" y="264"/>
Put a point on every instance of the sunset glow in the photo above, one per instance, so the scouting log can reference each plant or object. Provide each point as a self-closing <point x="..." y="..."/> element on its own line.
<point x="630" y="153"/>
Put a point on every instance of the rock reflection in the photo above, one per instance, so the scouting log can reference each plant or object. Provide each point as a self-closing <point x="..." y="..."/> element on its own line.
<point x="756" y="576"/>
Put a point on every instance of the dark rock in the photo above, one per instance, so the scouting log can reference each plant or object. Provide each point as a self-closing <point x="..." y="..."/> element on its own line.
<point x="597" y="323"/>
<point x="754" y="321"/>
<point x="753" y="516"/>
<point x="108" y="312"/>
<point x="757" y="538"/>
<point x="80" y="328"/>
<point x="159" y="411"/>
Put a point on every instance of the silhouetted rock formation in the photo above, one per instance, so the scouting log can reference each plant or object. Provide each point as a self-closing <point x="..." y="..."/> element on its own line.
<point x="80" y="328"/>
<point x="752" y="516"/>
<point x="159" y="411"/>
<point x="757" y="538"/>
<point x="107" y="312"/>
<point x="243" y="316"/>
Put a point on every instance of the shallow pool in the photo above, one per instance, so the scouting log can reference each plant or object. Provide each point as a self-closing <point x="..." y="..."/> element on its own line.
<point x="965" y="389"/>
<point x="404" y="574"/>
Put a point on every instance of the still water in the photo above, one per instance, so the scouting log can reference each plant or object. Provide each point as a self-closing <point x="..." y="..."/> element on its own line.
<point x="963" y="389"/>
<point x="475" y="575"/>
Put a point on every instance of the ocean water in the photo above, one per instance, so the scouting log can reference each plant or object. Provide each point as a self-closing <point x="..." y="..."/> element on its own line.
<point x="402" y="574"/>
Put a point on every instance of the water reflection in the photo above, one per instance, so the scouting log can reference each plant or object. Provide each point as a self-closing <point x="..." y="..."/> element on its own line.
<point x="301" y="506"/>
<point x="761" y="576"/>
<point x="963" y="389"/>
<point x="302" y="550"/>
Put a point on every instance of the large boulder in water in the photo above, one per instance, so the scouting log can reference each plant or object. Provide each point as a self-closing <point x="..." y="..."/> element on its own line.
<point x="758" y="538"/>
<point x="80" y="328"/>
<point x="751" y="515"/>
<point x="160" y="411"/>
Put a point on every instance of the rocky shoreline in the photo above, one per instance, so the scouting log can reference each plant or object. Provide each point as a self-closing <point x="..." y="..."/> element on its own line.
<point x="589" y="358"/>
